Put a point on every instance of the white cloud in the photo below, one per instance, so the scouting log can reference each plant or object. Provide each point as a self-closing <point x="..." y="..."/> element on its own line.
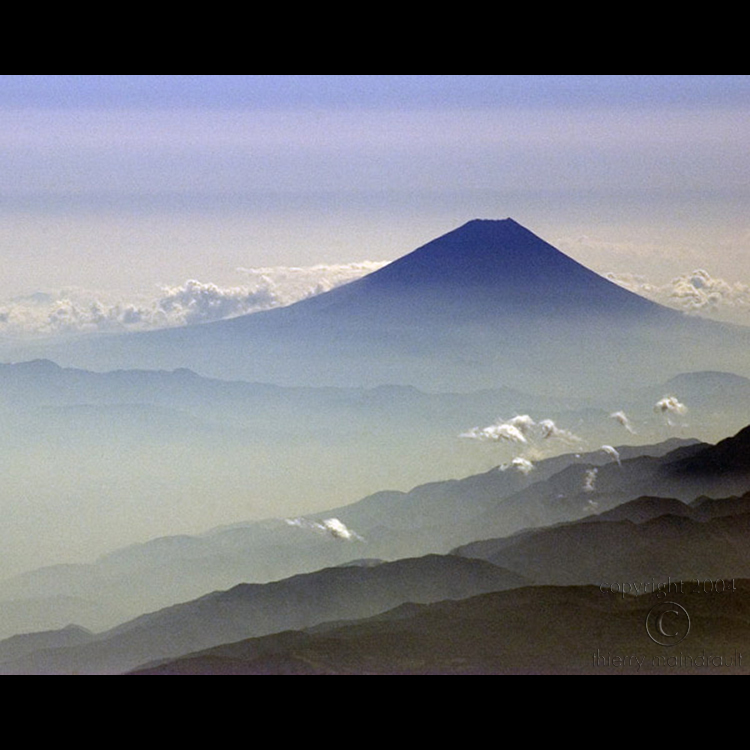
<point x="534" y="437"/>
<point x="550" y="430"/>
<point x="73" y="311"/>
<point x="339" y="530"/>
<point x="196" y="302"/>
<point x="519" y="463"/>
<point x="589" y="480"/>
<point x="291" y="283"/>
<point x="621" y="418"/>
<point x="670" y="405"/>
<point x="330" y="526"/>
<point x="522" y="464"/>
<point x="694" y="293"/>
<point x="611" y="451"/>
<point x="496" y="432"/>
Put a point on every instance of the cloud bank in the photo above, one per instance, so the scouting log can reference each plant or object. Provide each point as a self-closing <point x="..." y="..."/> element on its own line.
<point x="696" y="293"/>
<point x="73" y="311"/>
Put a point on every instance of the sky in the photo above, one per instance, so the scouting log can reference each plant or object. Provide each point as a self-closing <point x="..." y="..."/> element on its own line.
<point x="135" y="201"/>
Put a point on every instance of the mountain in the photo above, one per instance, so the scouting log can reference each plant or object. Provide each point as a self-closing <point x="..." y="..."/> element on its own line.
<point x="707" y="389"/>
<point x="138" y="454"/>
<point x="504" y="500"/>
<point x="728" y="461"/>
<point x="340" y="593"/>
<point x="583" y="488"/>
<point x="21" y="646"/>
<point x="675" y="545"/>
<point x="482" y="270"/>
<point x="488" y="303"/>
<point x="533" y="630"/>
<point x="431" y="518"/>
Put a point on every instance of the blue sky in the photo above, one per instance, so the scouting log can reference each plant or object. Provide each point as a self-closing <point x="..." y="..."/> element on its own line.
<point x="373" y="91"/>
<point x="128" y="183"/>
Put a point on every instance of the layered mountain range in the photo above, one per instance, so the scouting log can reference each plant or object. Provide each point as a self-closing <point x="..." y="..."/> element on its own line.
<point x="639" y="542"/>
<point x="545" y="536"/>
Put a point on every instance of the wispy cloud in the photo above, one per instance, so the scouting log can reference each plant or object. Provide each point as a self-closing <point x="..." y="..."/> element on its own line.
<point x="621" y="418"/>
<point x="332" y="527"/>
<point x="611" y="451"/>
<point x="589" y="480"/>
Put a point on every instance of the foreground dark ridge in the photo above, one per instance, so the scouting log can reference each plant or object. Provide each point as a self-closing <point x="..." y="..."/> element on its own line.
<point x="537" y="630"/>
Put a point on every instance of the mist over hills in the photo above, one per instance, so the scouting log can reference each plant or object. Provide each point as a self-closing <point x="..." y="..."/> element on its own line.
<point x="136" y="454"/>
<point x="431" y="518"/>
<point x="487" y="303"/>
<point x="646" y="537"/>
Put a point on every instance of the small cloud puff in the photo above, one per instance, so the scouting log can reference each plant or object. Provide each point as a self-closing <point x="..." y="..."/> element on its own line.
<point x="331" y="526"/>
<point x="521" y="429"/>
<point x="670" y="405"/>
<point x="611" y="451"/>
<point x="621" y="418"/>
<point x="519" y="464"/>
<point x="496" y="433"/>
<point x="589" y="480"/>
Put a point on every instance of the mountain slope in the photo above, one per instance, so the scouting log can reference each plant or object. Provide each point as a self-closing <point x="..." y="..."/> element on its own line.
<point x="247" y="610"/>
<point x="20" y="646"/>
<point x="582" y="488"/>
<point x="485" y="269"/>
<point x="614" y="551"/>
<point x="537" y="630"/>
